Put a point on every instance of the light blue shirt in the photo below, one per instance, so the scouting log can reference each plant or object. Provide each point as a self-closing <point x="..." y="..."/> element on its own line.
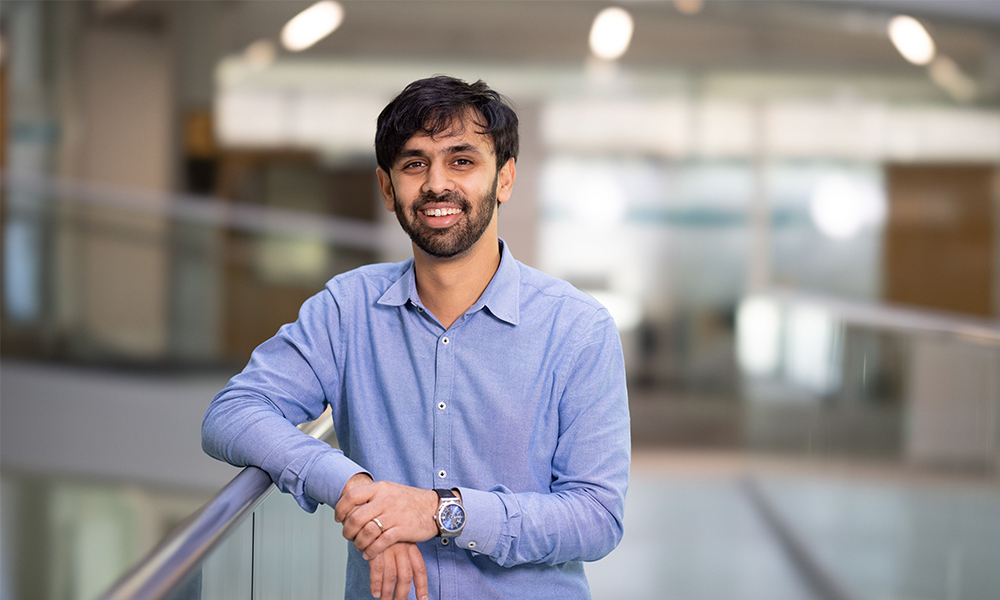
<point x="520" y="404"/>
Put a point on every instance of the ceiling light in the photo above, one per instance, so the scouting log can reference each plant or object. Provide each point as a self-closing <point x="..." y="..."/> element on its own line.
<point x="611" y="33"/>
<point x="911" y="39"/>
<point x="311" y="25"/>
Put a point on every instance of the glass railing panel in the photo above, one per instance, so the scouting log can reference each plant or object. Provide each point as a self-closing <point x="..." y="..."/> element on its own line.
<point x="824" y="378"/>
<point x="227" y="573"/>
<point x="893" y="419"/>
<point x="296" y="554"/>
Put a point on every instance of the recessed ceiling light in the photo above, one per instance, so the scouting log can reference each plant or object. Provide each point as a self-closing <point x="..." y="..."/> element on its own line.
<point x="911" y="39"/>
<point x="311" y="25"/>
<point x="611" y="33"/>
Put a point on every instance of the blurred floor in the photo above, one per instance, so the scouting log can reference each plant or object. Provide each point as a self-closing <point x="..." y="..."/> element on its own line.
<point x="875" y="530"/>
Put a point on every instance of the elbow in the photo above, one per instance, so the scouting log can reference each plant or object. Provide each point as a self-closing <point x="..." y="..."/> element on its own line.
<point x="611" y="526"/>
<point x="612" y="535"/>
<point x="210" y="442"/>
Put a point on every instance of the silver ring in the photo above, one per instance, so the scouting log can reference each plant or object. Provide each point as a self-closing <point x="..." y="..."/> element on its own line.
<point x="379" y="523"/>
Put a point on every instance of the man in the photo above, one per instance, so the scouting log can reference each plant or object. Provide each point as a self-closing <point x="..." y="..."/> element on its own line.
<point x="480" y="405"/>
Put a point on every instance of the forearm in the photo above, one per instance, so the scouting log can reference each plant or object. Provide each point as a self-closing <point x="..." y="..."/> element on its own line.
<point x="515" y="528"/>
<point x="243" y="429"/>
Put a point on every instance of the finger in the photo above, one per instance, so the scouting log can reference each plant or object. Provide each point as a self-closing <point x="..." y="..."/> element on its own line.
<point x="359" y="519"/>
<point x="366" y="536"/>
<point x="389" y="574"/>
<point x="351" y="499"/>
<point x="381" y="543"/>
<point x="375" y="568"/>
<point x="361" y="516"/>
<point x="419" y="571"/>
<point x="404" y="574"/>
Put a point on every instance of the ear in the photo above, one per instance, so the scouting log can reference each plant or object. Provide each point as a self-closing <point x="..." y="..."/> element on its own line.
<point x="385" y="186"/>
<point x="505" y="183"/>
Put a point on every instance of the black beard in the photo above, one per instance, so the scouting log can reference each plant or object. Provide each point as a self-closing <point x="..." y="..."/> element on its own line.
<point x="454" y="240"/>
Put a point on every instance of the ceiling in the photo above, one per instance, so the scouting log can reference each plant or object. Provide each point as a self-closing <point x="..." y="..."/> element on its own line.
<point x="797" y="37"/>
<point x="802" y="34"/>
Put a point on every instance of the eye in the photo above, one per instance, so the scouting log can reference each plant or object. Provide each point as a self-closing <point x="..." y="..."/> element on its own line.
<point x="463" y="162"/>
<point x="413" y="164"/>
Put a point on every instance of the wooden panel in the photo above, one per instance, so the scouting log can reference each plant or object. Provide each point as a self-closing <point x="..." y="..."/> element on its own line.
<point x="939" y="238"/>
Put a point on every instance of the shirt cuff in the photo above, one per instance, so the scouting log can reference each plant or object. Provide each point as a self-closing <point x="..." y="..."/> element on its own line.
<point x="484" y="511"/>
<point x="327" y="477"/>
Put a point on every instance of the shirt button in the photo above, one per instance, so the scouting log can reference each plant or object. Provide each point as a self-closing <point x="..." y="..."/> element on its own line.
<point x="420" y="309"/>
<point x="442" y="474"/>
<point x="444" y="341"/>
<point x="472" y="545"/>
<point x="444" y="541"/>
<point x="441" y="405"/>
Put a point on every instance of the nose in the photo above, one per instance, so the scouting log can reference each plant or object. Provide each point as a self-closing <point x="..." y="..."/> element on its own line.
<point x="438" y="180"/>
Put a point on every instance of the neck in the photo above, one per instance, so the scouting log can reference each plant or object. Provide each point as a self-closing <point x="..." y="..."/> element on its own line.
<point x="449" y="286"/>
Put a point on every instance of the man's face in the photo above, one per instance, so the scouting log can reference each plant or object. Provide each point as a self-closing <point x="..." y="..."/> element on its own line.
<point x="444" y="189"/>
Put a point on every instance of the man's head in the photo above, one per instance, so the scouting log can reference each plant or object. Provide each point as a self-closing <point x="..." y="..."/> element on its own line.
<point x="430" y="106"/>
<point x="446" y="153"/>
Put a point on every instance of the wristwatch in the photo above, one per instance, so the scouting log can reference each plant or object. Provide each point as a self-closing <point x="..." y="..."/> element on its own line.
<point x="450" y="515"/>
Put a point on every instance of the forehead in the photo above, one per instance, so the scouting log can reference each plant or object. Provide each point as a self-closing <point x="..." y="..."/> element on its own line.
<point x="463" y="132"/>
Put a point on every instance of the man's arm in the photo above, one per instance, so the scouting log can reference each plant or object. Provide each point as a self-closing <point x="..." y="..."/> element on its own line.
<point x="581" y="516"/>
<point x="252" y="421"/>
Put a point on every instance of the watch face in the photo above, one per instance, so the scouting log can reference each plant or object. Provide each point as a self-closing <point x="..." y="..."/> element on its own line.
<point x="452" y="517"/>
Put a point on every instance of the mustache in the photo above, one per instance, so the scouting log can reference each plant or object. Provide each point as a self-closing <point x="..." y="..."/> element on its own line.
<point x="452" y="197"/>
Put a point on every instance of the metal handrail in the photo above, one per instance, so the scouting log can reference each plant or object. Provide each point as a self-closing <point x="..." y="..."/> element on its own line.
<point x="170" y="563"/>
<point x="882" y="316"/>
<point x="205" y="210"/>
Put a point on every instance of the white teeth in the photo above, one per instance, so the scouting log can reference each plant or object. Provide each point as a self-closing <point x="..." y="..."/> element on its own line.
<point x="441" y="212"/>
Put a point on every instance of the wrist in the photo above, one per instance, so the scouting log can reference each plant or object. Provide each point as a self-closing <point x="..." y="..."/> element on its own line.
<point x="356" y="480"/>
<point x="431" y="504"/>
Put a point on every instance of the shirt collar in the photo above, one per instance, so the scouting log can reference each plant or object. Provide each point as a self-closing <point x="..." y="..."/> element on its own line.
<point x="501" y="296"/>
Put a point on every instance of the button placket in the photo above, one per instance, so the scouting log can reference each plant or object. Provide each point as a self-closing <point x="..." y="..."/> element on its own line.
<point x="442" y="422"/>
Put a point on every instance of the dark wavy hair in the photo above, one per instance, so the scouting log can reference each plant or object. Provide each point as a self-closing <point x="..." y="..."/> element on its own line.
<point x="431" y="105"/>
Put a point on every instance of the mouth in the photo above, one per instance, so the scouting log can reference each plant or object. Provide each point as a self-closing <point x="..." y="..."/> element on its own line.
<point x="439" y="215"/>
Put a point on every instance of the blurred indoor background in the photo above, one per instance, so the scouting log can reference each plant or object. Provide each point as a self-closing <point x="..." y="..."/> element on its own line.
<point x="791" y="208"/>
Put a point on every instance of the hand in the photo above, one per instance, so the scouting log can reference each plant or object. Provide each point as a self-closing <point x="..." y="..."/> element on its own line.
<point x="396" y="567"/>
<point x="406" y="514"/>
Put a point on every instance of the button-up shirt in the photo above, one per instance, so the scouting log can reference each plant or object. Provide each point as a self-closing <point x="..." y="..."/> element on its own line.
<point x="520" y="404"/>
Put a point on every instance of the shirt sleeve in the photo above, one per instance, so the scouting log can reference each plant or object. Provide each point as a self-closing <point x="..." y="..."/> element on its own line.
<point x="581" y="518"/>
<point x="289" y="380"/>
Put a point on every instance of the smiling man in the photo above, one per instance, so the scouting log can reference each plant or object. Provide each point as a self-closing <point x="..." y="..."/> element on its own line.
<point x="479" y="404"/>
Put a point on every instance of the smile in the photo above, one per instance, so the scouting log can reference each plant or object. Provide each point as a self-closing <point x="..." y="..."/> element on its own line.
<point x="441" y="212"/>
